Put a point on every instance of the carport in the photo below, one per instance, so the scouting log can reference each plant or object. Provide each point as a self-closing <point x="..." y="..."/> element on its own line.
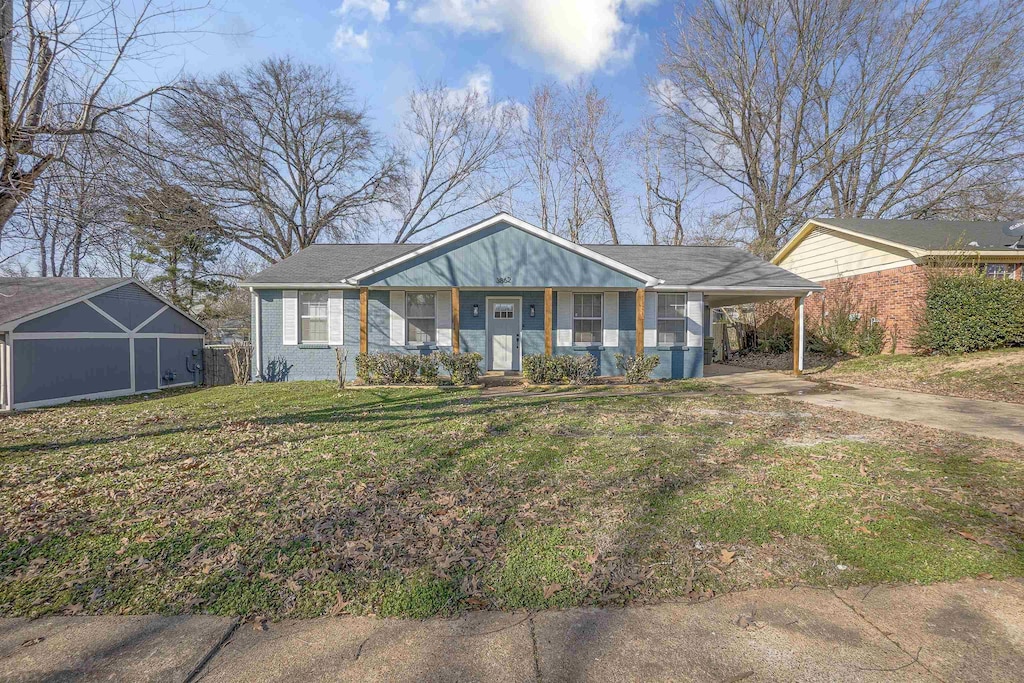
<point x="735" y="296"/>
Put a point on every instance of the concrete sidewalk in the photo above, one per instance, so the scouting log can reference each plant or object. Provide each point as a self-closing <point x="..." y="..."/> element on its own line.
<point x="990" y="419"/>
<point x="963" y="631"/>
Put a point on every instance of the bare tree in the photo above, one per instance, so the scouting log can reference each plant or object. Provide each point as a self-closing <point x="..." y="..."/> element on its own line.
<point x="65" y="67"/>
<point x="662" y="204"/>
<point x="456" y="141"/>
<point x="542" y="146"/>
<point x="75" y="208"/>
<point x="283" y="154"/>
<point x="594" y="143"/>
<point x="851" y="107"/>
<point x="569" y="147"/>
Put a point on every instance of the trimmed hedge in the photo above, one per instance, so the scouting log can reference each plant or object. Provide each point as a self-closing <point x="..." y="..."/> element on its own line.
<point x="637" y="369"/>
<point x="543" y="369"/>
<point x="463" y="368"/>
<point x="967" y="313"/>
<point x="411" y="368"/>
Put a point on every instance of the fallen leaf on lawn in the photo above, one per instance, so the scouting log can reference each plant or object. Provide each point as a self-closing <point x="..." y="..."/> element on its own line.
<point x="339" y="605"/>
<point x="551" y="590"/>
<point x="726" y="558"/>
<point x="33" y="641"/>
<point x="260" y="624"/>
<point x="969" y="536"/>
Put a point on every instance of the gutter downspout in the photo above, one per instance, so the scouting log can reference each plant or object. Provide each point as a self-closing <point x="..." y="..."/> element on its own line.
<point x="257" y="355"/>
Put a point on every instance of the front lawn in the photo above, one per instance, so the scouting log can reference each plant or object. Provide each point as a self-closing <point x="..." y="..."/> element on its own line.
<point x="295" y="500"/>
<point x="993" y="375"/>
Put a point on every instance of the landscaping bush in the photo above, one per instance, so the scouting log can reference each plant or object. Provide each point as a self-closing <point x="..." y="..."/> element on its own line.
<point x="463" y="368"/>
<point x="776" y="343"/>
<point x="543" y="369"/>
<point x="870" y="337"/>
<point x="395" y="368"/>
<point x="580" y="369"/>
<point x="965" y="313"/>
<point x="636" y="369"/>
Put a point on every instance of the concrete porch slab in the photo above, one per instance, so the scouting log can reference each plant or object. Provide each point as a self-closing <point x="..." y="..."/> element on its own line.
<point x="148" y="648"/>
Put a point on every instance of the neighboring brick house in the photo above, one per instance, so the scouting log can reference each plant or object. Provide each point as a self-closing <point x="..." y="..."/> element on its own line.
<point x="879" y="263"/>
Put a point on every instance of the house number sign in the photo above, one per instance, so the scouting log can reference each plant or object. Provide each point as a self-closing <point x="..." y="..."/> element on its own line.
<point x="507" y="280"/>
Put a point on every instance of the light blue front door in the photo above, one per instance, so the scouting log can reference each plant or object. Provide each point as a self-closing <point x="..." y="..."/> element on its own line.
<point x="504" y="331"/>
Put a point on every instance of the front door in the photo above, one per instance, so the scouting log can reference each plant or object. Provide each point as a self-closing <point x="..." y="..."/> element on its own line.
<point x="503" y="332"/>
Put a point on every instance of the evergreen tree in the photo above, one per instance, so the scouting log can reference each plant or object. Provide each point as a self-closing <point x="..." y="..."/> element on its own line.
<point x="179" y="235"/>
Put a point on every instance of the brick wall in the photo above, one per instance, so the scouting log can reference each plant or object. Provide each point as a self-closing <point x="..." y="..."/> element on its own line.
<point x="895" y="296"/>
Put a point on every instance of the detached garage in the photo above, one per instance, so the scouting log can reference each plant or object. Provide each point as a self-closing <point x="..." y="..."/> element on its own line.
<point x="66" y="339"/>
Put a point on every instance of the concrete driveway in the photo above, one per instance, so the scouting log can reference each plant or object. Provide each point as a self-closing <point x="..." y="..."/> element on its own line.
<point x="990" y="419"/>
<point x="963" y="631"/>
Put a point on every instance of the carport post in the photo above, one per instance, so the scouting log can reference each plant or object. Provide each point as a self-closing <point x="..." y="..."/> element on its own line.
<point x="798" y="335"/>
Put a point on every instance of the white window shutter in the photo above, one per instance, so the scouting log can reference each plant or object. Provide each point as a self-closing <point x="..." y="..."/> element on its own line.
<point x="611" y="319"/>
<point x="564" y="319"/>
<point x="290" y="317"/>
<point x="335" y="318"/>
<point x="651" y="318"/>
<point x="695" y="319"/>
<point x="443" y="314"/>
<point x="397" y="317"/>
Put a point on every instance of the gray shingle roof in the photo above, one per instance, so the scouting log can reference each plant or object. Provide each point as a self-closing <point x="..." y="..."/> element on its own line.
<point x="680" y="266"/>
<point x="330" y="262"/>
<point x="693" y="266"/>
<point x="21" y="296"/>
<point x="933" y="234"/>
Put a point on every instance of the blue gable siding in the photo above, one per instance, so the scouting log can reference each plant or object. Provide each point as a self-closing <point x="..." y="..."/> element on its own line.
<point x="130" y="305"/>
<point x="172" y="322"/>
<point x="78" y="317"/>
<point x="506" y="253"/>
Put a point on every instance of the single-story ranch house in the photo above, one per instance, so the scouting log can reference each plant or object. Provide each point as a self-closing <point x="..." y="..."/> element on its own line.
<point x="65" y="338"/>
<point x="882" y="261"/>
<point x="502" y="288"/>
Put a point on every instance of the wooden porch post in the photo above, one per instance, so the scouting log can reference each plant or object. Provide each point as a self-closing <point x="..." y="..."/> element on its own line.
<point x="364" y="301"/>
<point x="455" y="319"/>
<point x="549" y="299"/>
<point x="639" y="322"/>
<point x="798" y="335"/>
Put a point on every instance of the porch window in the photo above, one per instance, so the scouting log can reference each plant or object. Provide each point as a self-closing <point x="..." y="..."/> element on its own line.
<point x="421" y="318"/>
<point x="671" y="319"/>
<point x="587" y="323"/>
<point x="999" y="271"/>
<point x="313" y="312"/>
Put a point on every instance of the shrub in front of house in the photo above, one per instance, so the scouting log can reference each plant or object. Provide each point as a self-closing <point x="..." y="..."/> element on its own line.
<point x="543" y="369"/>
<point x="965" y="313"/>
<point x="463" y="368"/>
<point x="636" y="369"/>
<point x="395" y="368"/>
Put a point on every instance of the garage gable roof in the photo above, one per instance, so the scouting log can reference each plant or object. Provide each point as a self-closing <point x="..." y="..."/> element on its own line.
<point x="30" y="297"/>
<point x="23" y="296"/>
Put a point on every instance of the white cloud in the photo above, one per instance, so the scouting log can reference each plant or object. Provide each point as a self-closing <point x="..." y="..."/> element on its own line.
<point x="377" y="9"/>
<point x="570" y="37"/>
<point x="354" y="45"/>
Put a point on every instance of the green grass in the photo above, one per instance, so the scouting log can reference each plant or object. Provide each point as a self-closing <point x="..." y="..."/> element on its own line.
<point x="295" y="500"/>
<point x="992" y="375"/>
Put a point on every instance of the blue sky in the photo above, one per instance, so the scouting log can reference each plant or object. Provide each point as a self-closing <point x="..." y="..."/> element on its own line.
<point x="386" y="47"/>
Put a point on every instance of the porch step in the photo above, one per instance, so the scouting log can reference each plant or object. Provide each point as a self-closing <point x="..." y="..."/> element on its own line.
<point x="501" y="379"/>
